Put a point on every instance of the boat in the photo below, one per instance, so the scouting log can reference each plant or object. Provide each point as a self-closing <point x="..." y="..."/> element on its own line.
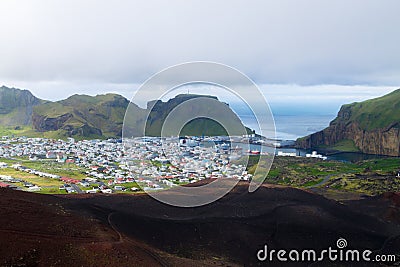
<point x="254" y="152"/>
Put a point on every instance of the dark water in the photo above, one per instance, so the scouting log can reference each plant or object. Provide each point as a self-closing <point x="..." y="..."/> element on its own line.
<point x="345" y="157"/>
<point x="354" y="157"/>
<point x="291" y="127"/>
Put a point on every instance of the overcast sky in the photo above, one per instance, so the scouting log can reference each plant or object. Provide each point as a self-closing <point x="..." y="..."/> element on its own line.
<point x="333" y="51"/>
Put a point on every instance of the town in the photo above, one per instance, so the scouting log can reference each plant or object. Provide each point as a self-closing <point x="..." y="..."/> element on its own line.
<point x="108" y="166"/>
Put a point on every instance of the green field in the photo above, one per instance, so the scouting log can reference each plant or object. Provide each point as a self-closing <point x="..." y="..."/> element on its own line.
<point x="50" y="185"/>
<point x="29" y="131"/>
<point x="369" y="177"/>
<point x="69" y="170"/>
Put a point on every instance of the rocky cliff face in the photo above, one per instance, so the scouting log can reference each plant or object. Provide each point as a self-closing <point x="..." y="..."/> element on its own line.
<point x="82" y="115"/>
<point x="16" y="106"/>
<point x="380" y="141"/>
<point x="357" y="122"/>
<point x="44" y="124"/>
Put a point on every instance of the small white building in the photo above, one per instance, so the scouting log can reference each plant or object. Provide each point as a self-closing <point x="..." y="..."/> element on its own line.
<point x="286" y="154"/>
<point x="34" y="188"/>
<point x="314" y="154"/>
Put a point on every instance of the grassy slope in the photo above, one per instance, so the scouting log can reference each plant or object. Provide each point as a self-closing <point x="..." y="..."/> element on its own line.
<point x="205" y="125"/>
<point x="376" y="113"/>
<point x="29" y="132"/>
<point x="52" y="109"/>
<point x="16" y="106"/>
<point x="105" y="112"/>
<point x="343" y="145"/>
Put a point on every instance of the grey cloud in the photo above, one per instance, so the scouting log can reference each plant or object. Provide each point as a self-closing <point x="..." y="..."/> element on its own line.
<point x="303" y="42"/>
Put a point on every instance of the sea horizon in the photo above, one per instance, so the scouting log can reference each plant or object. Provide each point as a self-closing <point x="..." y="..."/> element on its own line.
<point x="291" y="127"/>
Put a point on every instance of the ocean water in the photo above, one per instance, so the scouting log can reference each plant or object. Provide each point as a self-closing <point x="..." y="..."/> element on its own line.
<point x="291" y="127"/>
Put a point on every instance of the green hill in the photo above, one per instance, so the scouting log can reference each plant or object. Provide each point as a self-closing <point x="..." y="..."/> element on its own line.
<point x="82" y="115"/>
<point x="16" y="106"/>
<point x="373" y="114"/>
<point x="102" y="116"/>
<point x="191" y="106"/>
<point x="371" y="126"/>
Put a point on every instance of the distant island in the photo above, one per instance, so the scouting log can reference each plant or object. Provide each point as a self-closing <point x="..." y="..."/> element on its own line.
<point x="371" y="127"/>
<point x="100" y="116"/>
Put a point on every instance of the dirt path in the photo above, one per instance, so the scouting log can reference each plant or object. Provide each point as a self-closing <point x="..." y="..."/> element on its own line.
<point x="139" y="246"/>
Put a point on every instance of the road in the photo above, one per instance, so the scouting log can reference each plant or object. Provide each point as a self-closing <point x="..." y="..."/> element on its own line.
<point x="77" y="189"/>
<point x="325" y="180"/>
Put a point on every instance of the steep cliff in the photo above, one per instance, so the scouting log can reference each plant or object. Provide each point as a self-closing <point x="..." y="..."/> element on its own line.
<point x="16" y="106"/>
<point x="373" y="126"/>
<point x="190" y="105"/>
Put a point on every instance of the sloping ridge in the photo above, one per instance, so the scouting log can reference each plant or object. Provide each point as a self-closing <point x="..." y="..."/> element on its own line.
<point x="82" y="115"/>
<point x="16" y="106"/>
<point x="373" y="126"/>
<point x="115" y="230"/>
<point x="38" y="230"/>
<point x="238" y="225"/>
<point x="100" y="116"/>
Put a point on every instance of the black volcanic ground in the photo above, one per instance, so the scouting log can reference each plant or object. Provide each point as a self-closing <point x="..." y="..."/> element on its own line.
<point x="225" y="233"/>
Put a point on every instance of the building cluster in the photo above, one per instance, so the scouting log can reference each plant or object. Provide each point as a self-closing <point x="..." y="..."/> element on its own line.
<point x="151" y="163"/>
<point x="173" y="162"/>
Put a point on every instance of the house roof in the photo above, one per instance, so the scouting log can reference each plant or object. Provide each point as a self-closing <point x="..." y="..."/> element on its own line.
<point x="4" y="185"/>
